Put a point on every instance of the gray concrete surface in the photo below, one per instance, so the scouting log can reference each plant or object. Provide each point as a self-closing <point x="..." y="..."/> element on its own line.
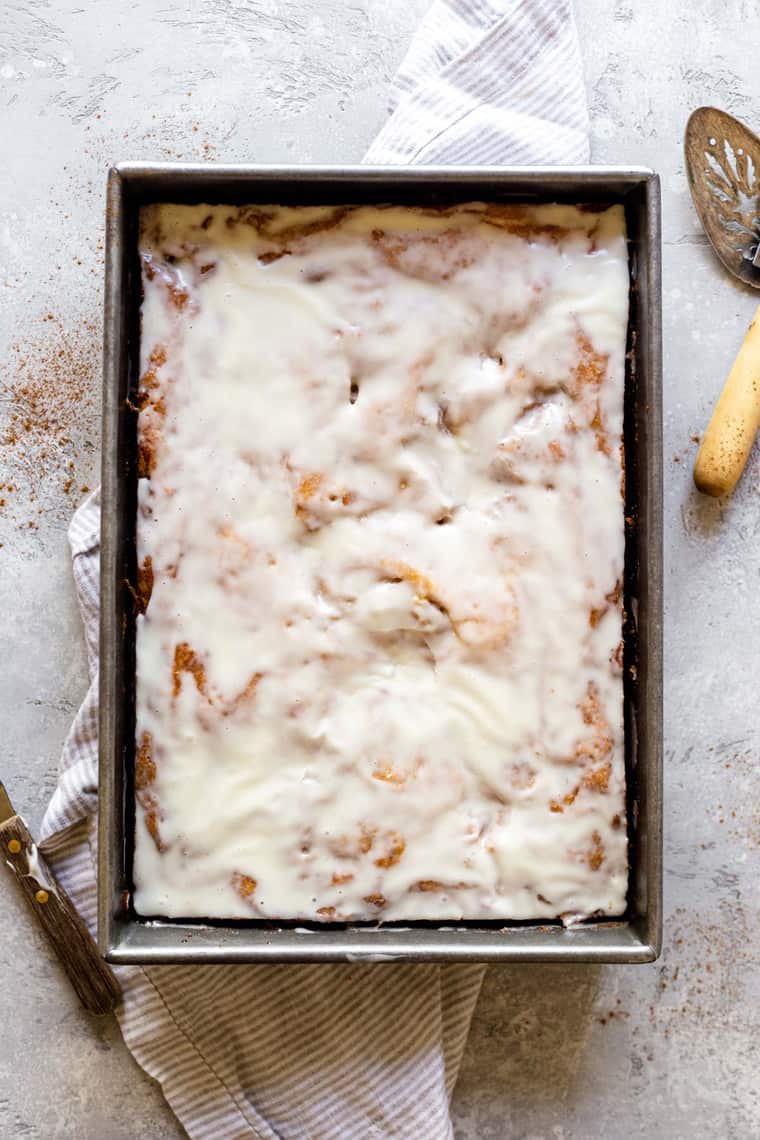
<point x="555" y="1053"/>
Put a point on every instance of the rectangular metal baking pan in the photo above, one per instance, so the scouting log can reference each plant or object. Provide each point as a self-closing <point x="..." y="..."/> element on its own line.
<point x="123" y="936"/>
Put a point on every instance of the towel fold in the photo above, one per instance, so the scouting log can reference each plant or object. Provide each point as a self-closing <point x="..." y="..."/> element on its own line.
<point x="489" y="82"/>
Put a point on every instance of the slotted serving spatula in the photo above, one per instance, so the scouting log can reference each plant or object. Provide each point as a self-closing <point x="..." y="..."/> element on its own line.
<point x="93" y="979"/>
<point x="723" y="168"/>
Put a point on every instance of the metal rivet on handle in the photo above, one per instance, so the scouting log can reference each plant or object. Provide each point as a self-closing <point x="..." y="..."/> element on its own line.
<point x="42" y="896"/>
<point x="14" y="846"/>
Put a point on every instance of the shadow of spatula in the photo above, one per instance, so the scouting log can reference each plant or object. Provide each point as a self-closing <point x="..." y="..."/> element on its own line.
<point x="723" y="168"/>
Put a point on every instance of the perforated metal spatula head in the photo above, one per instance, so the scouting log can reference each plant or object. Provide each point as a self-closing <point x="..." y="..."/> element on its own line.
<point x="723" y="168"/>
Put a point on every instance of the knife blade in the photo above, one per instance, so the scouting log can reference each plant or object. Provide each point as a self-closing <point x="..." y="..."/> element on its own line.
<point x="6" y="807"/>
<point x="93" y="979"/>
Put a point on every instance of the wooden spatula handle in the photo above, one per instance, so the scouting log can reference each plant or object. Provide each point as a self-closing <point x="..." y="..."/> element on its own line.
<point x="735" y="421"/>
<point x="92" y="978"/>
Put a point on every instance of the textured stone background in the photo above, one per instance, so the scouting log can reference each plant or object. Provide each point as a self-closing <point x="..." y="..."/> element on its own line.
<point x="555" y="1052"/>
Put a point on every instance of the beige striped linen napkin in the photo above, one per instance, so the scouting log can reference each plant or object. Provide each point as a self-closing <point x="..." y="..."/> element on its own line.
<point x="330" y="1052"/>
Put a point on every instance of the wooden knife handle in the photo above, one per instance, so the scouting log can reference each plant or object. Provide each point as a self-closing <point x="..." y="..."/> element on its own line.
<point x="92" y="978"/>
<point x="735" y="421"/>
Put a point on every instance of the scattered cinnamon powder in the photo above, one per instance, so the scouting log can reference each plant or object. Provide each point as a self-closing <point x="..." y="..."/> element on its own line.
<point x="49" y="394"/>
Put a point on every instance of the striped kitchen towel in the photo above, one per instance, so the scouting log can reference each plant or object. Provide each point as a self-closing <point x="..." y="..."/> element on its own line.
<point x="332" y="1052"/>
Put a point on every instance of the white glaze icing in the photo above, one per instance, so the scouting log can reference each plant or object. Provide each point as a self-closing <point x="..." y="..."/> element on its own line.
<point x="377" y="675"/>
<point x="36" y="869"/>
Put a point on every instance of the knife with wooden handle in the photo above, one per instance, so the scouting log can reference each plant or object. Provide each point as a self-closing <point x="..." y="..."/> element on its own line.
<point x="93" y="980"/>
<point x="731" y="432"/>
